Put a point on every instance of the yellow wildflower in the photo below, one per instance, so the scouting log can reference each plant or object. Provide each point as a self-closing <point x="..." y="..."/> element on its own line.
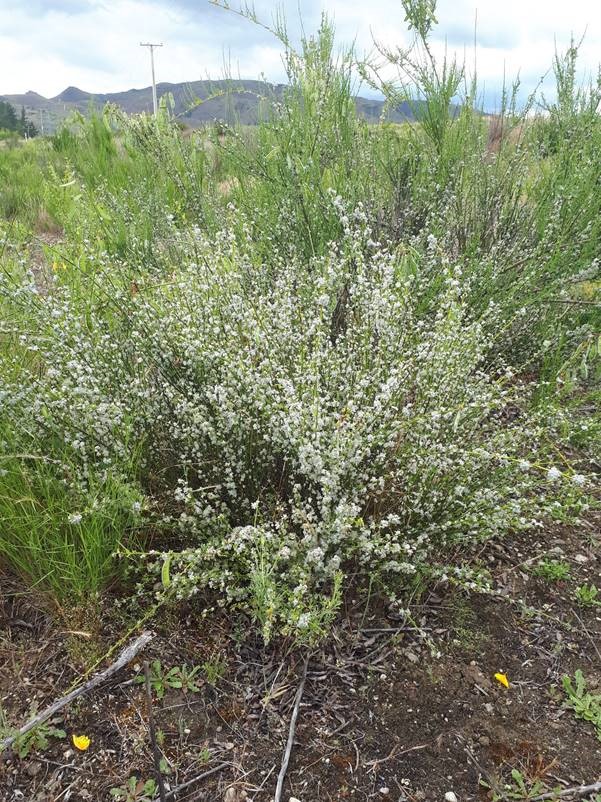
<point x="502" y="678"/>
<point x="81" y="742"/>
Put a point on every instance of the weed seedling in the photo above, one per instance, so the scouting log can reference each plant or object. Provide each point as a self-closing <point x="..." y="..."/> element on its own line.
<point x="37" y="739"/>
<point x="552" y="570"/>
<point x="518" y="788"/>
<point x="214" y="668"/>
<point x="188" y="678"/>
<point x="586" y="706"/>
<point x="521" y="789"/>
<point x="135" y="790"/>
<point x="588" y="596"/>
<point x="161" y="679"/>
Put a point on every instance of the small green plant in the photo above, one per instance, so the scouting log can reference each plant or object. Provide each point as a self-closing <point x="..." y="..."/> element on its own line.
<point x="588" y="596"/>
<point x="188" y="678"/>
<point x="135" y="790"/>
<point x="214" y="668"/>
<point x="180" y="677"/>
<point x="552" y="570"/>
<point x="518" y="788"/>
<point x="586" y="705"/>
<point x="161" y="679"/>
<point x="38" y="739"/>
<point x="204" y="756"/>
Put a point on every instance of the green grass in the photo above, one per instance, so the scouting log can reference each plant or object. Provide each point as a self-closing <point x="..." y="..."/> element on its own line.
<point x="59" y="537"/>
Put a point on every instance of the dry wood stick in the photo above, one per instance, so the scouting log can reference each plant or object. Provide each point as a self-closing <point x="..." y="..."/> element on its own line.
<point x="373" y="764"/>
<point x="124" y="658"/>
<point x="175" y="791"/>
<point x="578" y="791"/>
<point x="286" y="759"/>
<point x="153" y="735"/>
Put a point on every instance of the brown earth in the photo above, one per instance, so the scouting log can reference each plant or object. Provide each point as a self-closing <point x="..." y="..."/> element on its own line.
<point x="390" y="711"/>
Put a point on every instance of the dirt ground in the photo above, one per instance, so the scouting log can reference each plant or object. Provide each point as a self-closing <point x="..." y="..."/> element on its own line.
<point x="389" y="711"/>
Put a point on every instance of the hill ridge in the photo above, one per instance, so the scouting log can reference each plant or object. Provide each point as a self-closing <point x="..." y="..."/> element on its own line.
<point x="237" y="100"/>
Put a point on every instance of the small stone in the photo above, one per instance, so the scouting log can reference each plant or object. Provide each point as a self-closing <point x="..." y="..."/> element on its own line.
<point x="234" y="795"/>
<point x="33" y="768"/>
<point x="450" y="796"/>
<point x="384" y="790"/>
<point x="581" y="558"/>
<point x="484" y="740"/>
<point x="489" y="708"/>
<point x="475" y="676"/>
<point x="412" y="657"/>
<point x="293" y="799"/>
<point x="229" y="746"/>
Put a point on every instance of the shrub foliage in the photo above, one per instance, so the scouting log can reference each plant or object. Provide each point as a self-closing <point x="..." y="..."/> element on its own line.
<point x="262" y="363"/>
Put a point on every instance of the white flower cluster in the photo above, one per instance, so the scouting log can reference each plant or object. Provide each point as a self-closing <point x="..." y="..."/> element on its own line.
<point x="296" y="418"/>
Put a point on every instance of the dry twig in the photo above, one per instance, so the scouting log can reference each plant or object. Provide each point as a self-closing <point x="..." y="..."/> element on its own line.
<point x="175" y="791"/>
<point x="286" y="759"/>
<point x="577" y="791"/>
<point x="371" y="765"/>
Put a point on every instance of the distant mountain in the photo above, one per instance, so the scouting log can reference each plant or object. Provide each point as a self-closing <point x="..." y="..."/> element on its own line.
<point x="219" y="100"/>
<point x="73" y="95"/>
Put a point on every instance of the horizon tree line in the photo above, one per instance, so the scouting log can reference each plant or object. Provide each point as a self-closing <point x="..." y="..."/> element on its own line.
<point x="9" y="121"/>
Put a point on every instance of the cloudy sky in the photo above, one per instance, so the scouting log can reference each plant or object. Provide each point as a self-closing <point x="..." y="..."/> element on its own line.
<point x="47" y="45"/>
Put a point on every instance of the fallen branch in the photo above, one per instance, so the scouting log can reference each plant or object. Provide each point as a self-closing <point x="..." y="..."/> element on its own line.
<point x="373" y="764"/>
<point x="124" y="658"/>
<point x="286" y="759"/>
<point x="577" y="790"/>
<point x="175" y="791"/>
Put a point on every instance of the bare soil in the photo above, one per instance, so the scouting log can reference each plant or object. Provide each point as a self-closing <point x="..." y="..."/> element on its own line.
<point x="389" y="711"/>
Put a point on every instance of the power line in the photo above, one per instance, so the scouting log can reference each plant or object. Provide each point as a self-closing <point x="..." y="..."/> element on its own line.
<point x="151" y="46"/>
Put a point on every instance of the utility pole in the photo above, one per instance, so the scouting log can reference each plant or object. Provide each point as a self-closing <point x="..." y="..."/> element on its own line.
<point x="151" y="47"/>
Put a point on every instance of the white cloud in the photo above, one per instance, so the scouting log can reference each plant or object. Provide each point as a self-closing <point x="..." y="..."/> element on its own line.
<point x="94" y="45"/>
